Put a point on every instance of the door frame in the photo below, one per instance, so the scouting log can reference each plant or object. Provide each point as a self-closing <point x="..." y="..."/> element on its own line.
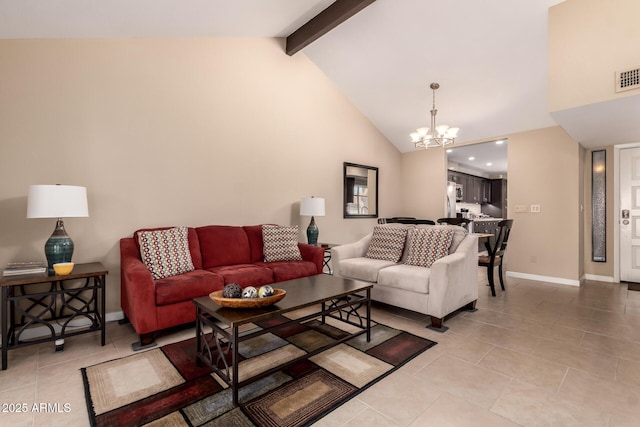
<point x="616" y="206"/>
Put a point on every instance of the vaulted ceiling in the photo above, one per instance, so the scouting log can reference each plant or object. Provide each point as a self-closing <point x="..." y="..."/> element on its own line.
<point x="490" y="56"/>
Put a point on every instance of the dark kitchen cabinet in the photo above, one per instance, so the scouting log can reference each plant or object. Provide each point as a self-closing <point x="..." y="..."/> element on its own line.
<point x="499" y="197"/>
<point x="486" y="191"/>
<point x="475" y="189"/>
<point x="479" y="190"/>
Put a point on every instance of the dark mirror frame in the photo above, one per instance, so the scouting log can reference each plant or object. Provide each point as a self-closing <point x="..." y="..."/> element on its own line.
<point x="348" y="192"/>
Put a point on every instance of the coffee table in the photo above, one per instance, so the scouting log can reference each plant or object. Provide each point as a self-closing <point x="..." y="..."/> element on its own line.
<point x="334" y="297"/>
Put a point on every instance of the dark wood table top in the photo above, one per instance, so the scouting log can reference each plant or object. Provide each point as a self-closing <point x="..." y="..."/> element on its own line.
<point x="301" y="293"/>
<point x="80" y="271"/>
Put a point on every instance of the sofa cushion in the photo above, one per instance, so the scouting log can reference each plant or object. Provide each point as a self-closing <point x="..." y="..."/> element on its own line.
<point x="244" y="274"/>
<point x="165" y="252"/>
<point x="288" y="270"/>
<point x="363" y="268"/>
<point x="194" y="284"/>
<point x="459" y="233"/>
<point x="387" y="243"/>
<point x="426" y="245"/>
<point x="223" y="245"/>
<point x="408" y="277"/>
<point x="254" y="234"/>
<point x="280" y="243"/>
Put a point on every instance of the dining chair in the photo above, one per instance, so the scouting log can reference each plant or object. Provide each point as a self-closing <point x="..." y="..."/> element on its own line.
<point x="415" y="221"/>
<point x="495" y="253"/>
<point x="394" y="220"/>
<point x="462" y="222"/>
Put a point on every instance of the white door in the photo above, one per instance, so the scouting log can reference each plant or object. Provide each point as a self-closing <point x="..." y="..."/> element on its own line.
<point x="629" y="215"/>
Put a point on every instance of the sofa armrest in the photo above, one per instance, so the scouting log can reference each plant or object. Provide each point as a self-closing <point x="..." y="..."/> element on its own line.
<point x="454" y="279"/>
<point x="137" y="289"/>
<point x="350" y="250"/>
<point x="312" y="253"/>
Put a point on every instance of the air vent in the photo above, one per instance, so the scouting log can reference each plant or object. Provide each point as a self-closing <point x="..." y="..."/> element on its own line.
<point x="627" y="79"/>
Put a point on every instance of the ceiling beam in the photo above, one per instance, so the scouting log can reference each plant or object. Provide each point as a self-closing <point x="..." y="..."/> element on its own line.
<point x="334" y="15"/>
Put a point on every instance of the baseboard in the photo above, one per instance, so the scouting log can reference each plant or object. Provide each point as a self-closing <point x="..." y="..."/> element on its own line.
<point x="43" y="331"/>
<point x="597" y="278"/>
<point x="558" y="280"/>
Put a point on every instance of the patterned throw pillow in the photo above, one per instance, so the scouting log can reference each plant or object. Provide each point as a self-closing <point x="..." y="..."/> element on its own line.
<point x="387" y="243"/>
<point x="280" y="243"/>
<point x="426" y="245"/>
<point x="166" y="252"/>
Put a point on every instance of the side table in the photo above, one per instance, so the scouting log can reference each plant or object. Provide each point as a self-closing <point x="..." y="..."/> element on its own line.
<point x="327" y="256"/>
<point x="53" y="305"/>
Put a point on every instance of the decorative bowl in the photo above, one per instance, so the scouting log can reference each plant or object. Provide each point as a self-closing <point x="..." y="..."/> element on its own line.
<point x="278" y="294"/>
<point x="63" y="268"/>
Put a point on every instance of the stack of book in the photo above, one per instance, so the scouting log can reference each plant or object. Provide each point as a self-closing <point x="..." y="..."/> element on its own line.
<point x="17" y="268"/>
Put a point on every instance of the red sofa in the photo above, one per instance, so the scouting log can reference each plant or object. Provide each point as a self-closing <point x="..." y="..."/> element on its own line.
<point x="220" y="255"/>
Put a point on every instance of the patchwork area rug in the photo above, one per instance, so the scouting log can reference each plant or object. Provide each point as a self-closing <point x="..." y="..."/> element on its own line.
<point x="165" y="387"/>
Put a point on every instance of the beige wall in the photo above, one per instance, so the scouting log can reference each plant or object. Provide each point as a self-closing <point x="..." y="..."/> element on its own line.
<point x="544" y="169"/>
<point x="604" y="269"/>
<point x="424" y="184"/>
<point x="176" y="132"/>
<point x="585" y="50"/>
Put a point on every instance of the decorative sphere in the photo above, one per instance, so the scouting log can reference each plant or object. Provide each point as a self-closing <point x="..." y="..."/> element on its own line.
<point x="250" y="292"/>
<point x="232" y="290"/>
<point x="265" y="291"/>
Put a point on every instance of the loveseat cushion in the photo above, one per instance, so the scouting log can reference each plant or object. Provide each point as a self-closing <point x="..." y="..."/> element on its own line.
<point x="223" y="245"/>
<point x="244" y="274"/>
<point x="288" y="270"/>
<point x="363" y="268"/>
<point x="280" y="243"/>
<point x="459" y="233"/>
<point x="408" y="277"/>
<point x="165" y="252"/>
<point x="425" y="246"/>
<point x="387" y="243"/>
<point x="187" y="286"/>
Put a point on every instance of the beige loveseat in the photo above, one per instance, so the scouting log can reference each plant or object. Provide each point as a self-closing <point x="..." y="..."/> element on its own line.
<point x="450" y="283"/>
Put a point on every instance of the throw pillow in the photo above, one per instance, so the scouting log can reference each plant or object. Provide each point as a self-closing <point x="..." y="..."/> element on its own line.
<point x="387" y="243"/>
<point x="280" y="243"/>
<point x="166" y="252"/>
<point x="426" y="245"/>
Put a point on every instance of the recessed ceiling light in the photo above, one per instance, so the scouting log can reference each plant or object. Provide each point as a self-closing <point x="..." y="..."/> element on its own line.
<point x="489" y="164"/>
<point x="499" y="142"/>
<point x="472" y="158"/>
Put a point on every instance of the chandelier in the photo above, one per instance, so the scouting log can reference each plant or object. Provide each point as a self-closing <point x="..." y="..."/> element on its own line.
<point x="440" y="135"/>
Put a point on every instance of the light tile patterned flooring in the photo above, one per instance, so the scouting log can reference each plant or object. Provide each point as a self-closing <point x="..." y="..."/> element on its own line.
<point x="537" y="355"/>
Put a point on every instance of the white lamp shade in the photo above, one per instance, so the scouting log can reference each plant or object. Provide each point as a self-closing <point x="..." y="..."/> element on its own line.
<point x="57" y="201"/>
<point x="312" y="206"/>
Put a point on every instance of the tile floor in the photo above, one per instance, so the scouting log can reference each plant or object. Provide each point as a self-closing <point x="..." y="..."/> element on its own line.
<point x="537" y="355"/>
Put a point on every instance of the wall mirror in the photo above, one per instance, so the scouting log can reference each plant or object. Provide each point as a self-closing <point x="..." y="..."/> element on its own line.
<point x="360" y="191"/>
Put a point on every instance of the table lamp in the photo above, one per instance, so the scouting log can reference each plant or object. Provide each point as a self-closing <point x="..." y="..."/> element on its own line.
<point x="312" y="206"/>
<point x="57" y="201"/>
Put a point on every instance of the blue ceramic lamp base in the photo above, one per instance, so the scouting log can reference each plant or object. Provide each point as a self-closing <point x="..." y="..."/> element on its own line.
<point x="59" y="247"/>
<point x="312" y="232"/>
